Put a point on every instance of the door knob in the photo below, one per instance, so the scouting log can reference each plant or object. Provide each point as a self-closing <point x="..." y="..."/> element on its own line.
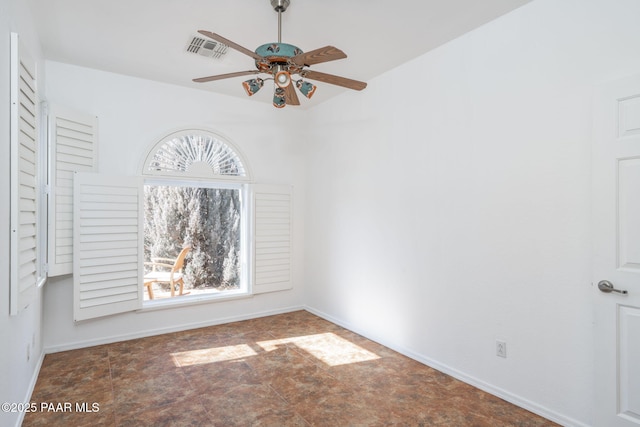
<point x="607" y="287"/>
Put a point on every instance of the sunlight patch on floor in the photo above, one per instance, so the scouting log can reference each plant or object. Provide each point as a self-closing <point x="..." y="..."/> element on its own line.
<point x="212" y="355"/>
<point x="328" y="347"/>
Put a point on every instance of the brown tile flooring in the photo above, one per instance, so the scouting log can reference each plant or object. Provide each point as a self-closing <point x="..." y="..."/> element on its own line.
<point x="292" y="369"/>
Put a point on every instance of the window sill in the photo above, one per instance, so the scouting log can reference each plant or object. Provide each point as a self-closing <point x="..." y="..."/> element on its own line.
<point x="189" y="300"/>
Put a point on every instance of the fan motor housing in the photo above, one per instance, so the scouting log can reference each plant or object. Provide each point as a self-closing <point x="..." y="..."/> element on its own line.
<point x="277" y="54"/>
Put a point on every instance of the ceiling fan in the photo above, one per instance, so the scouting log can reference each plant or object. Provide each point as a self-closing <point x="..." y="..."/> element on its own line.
<point x="282" y="61"/>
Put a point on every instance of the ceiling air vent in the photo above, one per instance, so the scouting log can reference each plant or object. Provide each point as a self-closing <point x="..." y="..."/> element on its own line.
<point x="206" y="47"/>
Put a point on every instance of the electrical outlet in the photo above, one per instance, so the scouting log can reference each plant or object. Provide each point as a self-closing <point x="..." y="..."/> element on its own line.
<point x="501" y="349"/>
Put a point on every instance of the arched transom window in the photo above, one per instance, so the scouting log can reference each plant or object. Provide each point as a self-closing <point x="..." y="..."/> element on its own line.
<point x="196" y="153"/>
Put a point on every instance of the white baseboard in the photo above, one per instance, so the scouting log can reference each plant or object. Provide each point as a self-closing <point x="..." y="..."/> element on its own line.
<point x="159" y="331"/>
<point x="482" y="385"/>
<point x="32" y="386"/>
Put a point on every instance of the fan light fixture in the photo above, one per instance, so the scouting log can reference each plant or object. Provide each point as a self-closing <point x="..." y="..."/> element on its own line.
<point x="280" y="61"/>
<point x="253" y="85"/>
<point x="306" y="88"/>
<point x="279" y="98"/>
<point x="283" y="79"/>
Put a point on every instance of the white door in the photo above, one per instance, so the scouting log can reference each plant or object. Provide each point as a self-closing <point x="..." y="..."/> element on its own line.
<point x="616" y="252"/>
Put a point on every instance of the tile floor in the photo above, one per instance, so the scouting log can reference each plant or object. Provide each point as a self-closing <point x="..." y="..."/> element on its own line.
<point x="292" y="369"/>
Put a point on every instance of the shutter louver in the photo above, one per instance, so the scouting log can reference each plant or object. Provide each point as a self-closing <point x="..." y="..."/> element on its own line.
<point x="73" y="144"/>
<point x="24" y="187"/>
<point x="108" y="242"/>
<point x="273" y="238"/>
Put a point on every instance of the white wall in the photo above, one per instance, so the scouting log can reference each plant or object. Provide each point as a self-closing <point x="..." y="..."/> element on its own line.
<point x="133" y="115"/>
<point x="17" y="333"/>
<point x="448" y="203"/>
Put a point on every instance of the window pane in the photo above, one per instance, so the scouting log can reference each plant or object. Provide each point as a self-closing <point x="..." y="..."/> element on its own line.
<point x="208" y="220"/>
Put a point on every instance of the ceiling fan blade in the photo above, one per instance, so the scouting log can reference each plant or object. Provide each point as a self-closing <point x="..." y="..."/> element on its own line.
<point x="334" y="80"/>
<point x="324" y="54"/>
<point x="229" y="43"/>
<point x="290" y="95"/>
<point x="225" y="76"/>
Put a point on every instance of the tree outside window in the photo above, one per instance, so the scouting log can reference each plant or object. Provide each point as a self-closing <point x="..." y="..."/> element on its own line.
<point x="209" y="220"/>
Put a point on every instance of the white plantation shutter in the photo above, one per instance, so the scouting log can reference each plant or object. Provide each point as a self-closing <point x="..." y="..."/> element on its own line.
<point x="272" y="244"/>
<point x="73" y="146"/>
<point x="108" y="243"/>
<point x="24" y="179"/>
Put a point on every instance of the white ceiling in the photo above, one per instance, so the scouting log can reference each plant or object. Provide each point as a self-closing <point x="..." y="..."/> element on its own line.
<point x="148" y="38"/>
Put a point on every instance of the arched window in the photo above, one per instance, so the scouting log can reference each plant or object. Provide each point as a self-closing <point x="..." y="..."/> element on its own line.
<point x="195" y="194"/>
<point x="196" y="153"/>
